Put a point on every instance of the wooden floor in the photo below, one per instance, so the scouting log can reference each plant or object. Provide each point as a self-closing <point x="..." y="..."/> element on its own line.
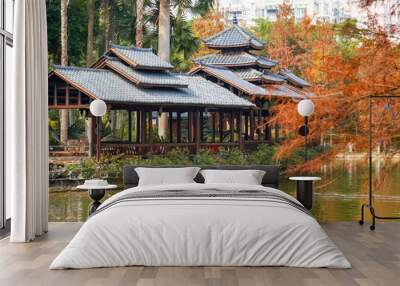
<point x="375" y="257"/>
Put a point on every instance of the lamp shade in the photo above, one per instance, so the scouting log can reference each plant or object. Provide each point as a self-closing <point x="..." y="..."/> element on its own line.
<point x="305" y="107"/>
<point x="98" y="107"/>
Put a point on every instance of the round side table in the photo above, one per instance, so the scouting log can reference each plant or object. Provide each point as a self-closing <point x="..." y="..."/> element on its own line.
<point x="96" y="194"/>
<point x="304" y="190"/>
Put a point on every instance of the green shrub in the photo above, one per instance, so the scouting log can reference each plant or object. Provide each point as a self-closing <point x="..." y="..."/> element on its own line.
<point x="88" y="168"/>
<point x="205" y="158"/>
<point x="233" y="157"/>
<point x="263" y="155"/>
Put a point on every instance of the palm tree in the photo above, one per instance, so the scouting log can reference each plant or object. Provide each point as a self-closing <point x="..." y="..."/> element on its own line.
<point x="164" y="35"/>
<point x="164" y="48"/>
<point x="64" y="62"/>
<point x="139" y="23"/>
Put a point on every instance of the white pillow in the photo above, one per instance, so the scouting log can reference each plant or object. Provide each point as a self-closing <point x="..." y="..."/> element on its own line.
<point x="166" y="176"/>
<point x="248" y="177"/>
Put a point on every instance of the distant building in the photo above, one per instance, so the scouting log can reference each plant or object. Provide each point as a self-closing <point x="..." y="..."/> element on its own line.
<point x="333" y="11"/>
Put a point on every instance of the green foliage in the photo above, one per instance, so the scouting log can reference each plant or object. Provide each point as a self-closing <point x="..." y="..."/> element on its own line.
<point x="263" y="155"/>
<point x="233" y="157"/>
<point x="205" y="158"/>
<point x="88" y="168"/>
<point x="111" y="166"/>
<point x="262" y="28"/>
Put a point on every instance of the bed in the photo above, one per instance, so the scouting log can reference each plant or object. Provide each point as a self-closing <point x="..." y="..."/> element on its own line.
<point x="201" y="224"/>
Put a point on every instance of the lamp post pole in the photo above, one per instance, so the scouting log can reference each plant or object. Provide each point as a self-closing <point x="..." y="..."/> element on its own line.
<point x="98" y="108"/>
<point x="98" y="139"/>
<point x="305" y="108"/>
<point x="305" y="138"/>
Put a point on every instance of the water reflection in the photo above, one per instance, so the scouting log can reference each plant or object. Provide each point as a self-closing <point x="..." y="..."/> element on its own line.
<point x="338" y="197"/>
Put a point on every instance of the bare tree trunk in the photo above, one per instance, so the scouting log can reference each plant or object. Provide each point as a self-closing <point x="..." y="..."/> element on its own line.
<point x="164" y="37"/>
<point x="64" y="62"/>
<point x="89" y="46"/>
<point x="139" y="23"/>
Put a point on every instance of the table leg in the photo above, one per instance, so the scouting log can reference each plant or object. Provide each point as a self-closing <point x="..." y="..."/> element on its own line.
<point x="96" y="196"/>
<point x="304" y="193"/>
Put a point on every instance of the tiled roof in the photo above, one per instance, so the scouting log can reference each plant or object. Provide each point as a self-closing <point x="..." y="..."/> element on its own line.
<point x="284" y="90"/>
<point x="232" y="37"/>
<point x="139" y="58"/>
<point x="146" y="78"/>
<point x="226" y="75"/>
<point x="236" y="59"/>
<point x="109" y="86"/>
<point x="293" y="79"/>
<point x="251" y="74"/>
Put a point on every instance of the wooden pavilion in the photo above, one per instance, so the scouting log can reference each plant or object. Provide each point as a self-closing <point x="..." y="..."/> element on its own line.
<point x="202" y="114"/>
<point x="237" y="67"/>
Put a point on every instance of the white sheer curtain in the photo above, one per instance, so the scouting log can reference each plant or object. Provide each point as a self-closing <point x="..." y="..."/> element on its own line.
<point x="26" y="124"/>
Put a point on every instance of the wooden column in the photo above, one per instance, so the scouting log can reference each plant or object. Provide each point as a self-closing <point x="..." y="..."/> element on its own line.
<point x="201" y="113"/>
<point x="221" y="127"/>
<point x="55" y="94"/>
<point x="138" y="115"/>
<point x="232" y="126"/>
<point x="252" y="125"/>
<point x="190" y="126"/>
<point x="170" y="127"/>
<point x="150" y="129"/>
<point x="240" y="131"/>
<point x="267" y="132"/>
<point x="67" y="95"/>
<point x="178" y="128"/>
<point x="213" y="115"/>
<point x="143" y="127"/>
<point x="198" y="131"/>
<point x="259" y="121"/>
<point x="277" y="133"/>
<point x="246" y="126"/>
<point x="129" y="126"/>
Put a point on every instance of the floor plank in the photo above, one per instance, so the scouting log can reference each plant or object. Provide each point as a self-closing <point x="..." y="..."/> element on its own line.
<point x="375" y="257"/>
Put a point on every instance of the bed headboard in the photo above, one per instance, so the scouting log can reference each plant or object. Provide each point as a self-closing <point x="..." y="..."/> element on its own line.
<point x="270" y="179"/>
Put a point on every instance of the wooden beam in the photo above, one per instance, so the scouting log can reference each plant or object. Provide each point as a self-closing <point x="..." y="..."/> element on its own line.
<point x="259" y="121"/>
<point x="171" y="128"/>
<point x="143" y="127"/>
<point x="138" y="133"/>
<point x="201" y="113"/>
<point x="150" y="127"/>
<point x="221" y="127"/>
<point x="67" y="95"/>
<point x="198" y="135"/>
<point x="190" y="126"/>
<point x="232" y="126"/>
<point x="178" y="128"/>
<point x="246" y="126"/>
<point x="129" y="126"/>
<point x="252" y="125"/>
<point x="213" y="115"/>
<point x="241" y="145"/>
<point x="55" y="94"/>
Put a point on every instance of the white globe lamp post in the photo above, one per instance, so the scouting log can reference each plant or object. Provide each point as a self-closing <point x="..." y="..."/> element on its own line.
<point x="305" y="108"/>
<point x="98" y="108"/>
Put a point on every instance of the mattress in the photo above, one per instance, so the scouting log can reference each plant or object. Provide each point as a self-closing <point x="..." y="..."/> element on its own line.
<point x="201" y="225"/>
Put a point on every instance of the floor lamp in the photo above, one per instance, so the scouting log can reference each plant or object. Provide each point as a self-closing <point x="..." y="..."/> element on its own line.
<point x="370" y="200"/>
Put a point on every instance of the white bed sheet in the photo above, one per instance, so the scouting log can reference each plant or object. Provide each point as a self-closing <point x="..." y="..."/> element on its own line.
<point x="200" y="232"/>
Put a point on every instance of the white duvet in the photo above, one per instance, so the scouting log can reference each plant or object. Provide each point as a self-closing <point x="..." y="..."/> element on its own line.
<point x="200" y="231"/>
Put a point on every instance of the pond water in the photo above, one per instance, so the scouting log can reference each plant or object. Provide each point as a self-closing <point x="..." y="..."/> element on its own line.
<point x="338" y="197"/>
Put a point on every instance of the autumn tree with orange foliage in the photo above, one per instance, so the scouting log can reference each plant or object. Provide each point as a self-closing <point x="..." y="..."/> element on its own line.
<point x="204" y="27"/>
<point x="341" y="82"/>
